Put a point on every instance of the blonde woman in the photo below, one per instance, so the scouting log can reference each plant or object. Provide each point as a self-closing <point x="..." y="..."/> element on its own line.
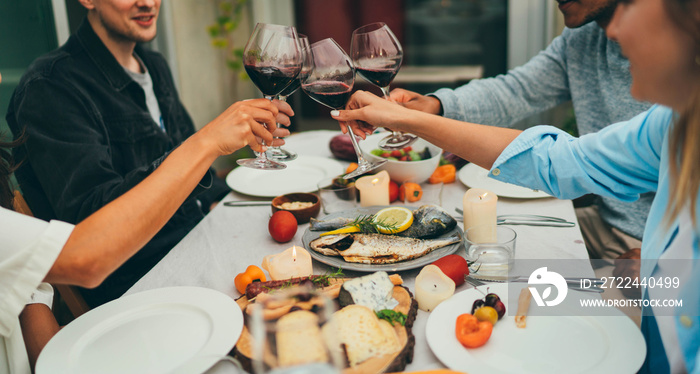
<point x="655" y="151"/>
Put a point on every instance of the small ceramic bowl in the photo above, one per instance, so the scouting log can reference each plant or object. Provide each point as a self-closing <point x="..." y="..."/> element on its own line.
<point x="302" y="215"/>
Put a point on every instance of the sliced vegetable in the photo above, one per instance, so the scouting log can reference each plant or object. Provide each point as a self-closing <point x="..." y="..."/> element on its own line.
<point x="250" y="275"/>
<point x="471" y="332"/>
<point x="444" y="174"/>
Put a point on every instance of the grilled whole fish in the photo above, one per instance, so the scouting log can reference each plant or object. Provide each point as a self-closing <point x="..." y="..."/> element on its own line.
<point x="378" y="248"/>
<point x="329" y="224"/>
<point x="429" y="221"/>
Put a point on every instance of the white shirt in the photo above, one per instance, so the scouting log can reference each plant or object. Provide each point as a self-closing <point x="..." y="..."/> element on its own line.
<point x="28" y="249"/>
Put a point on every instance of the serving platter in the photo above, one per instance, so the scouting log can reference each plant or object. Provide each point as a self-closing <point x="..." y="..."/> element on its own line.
<point x="339" y="262"/>
<point x="379" y="364"/>
<point x="549" y="344"/>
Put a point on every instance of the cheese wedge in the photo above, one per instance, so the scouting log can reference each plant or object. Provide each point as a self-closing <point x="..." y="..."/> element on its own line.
<point x="361" y="332"/>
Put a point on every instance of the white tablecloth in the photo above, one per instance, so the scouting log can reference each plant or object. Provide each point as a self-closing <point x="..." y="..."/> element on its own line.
<point x="231" y="238"/>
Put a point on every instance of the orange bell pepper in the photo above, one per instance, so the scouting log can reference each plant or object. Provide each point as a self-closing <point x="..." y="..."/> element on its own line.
<point x="471" y="332"/>
<point x="250" y="275"/>
<point x="444" y="174"/>
<point x="410" y="192"/>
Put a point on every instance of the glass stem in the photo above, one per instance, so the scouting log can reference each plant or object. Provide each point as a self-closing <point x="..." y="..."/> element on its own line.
<point x="385" y="91"/>
<point x="360" y="159"/>
<point x="283" y="99"/>
<point x="262" y="155"/>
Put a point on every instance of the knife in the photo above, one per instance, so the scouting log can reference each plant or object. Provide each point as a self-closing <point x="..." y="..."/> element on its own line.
<point x="247" y="203"/>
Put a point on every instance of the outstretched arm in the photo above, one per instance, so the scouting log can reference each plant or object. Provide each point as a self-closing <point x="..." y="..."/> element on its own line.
<point x="123" y="226"/>
<point x="477" y="143"/>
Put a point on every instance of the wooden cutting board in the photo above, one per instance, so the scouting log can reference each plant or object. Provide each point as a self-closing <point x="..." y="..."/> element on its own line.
<point x="378" y="364"/>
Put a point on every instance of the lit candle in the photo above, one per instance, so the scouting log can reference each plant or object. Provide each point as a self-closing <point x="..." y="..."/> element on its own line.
<point x="480" y="210"/>
<point x="291" y="263"/>
<point x="433" y="287"/>
<point x="374" y="189"/>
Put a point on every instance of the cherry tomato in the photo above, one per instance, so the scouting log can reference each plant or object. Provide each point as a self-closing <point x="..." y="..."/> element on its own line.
<point x="396" y="153"/>
<point x="393" y="191"/>
<point x="487" y="313"/>
<point x="454" y="266"/>
<point x="282" y="226"/>
<point x="471" y="332"/>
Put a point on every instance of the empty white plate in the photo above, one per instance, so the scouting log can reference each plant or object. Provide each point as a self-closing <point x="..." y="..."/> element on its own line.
<point x="156" y="331"/>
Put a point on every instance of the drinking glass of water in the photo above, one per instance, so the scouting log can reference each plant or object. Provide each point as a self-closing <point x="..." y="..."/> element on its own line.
<point x="491" y="258"/>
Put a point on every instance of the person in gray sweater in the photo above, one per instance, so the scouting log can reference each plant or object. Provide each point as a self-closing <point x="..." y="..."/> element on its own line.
<point x="581" y="65"/>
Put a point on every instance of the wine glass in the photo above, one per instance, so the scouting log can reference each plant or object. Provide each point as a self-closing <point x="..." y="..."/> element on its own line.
<point x="298" y="342"/>
<point x="273" y="60"/>
<point x="377" y="56"/>
<point x="278" y="153"/>
<point x="330" y="83"/>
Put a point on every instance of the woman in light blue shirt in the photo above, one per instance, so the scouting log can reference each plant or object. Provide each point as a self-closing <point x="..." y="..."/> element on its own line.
<point x="659" y="151"/>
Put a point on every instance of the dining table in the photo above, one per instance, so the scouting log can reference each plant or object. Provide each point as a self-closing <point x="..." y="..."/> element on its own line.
<point x="229" y="239"/>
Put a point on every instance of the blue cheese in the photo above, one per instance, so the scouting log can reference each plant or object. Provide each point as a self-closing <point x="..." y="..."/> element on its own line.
<point x="374" y="291"/>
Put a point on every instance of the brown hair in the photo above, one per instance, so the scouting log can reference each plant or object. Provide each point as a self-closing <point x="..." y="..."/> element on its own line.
<point x="685" y="136"/>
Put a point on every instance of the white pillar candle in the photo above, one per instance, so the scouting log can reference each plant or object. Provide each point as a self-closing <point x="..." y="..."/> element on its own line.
<point x="433" y="287"/>
<point x="291" y="263"/>
<point x="374" y="189"/>
<point x="480" y="210"/>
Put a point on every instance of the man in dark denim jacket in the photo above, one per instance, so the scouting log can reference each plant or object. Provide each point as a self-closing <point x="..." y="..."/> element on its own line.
<point x="90" y="134"/>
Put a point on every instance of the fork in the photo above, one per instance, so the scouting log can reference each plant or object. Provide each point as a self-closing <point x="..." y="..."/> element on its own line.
<point x="473" y="281"/>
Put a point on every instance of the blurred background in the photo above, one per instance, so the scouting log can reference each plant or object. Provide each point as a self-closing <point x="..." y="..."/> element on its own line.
<point x="446" y="44"/>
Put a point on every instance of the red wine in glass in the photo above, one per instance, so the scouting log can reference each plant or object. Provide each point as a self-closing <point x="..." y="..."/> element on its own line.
<point x="271" y="80"/>
<point x="329" y="82"/>
<point x="272" y="58"/>
<point x="278" y="153"/>
<point x="380" y="77"/>
<point x="329" y="93"/>
<point x="377" y="55"/>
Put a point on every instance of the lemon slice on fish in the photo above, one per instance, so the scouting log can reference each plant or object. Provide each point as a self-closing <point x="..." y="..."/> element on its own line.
<point x="342" y="230"/>
<point x="392" y="220"/>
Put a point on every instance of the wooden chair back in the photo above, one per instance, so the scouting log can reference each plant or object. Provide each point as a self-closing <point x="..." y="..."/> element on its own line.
<point x="70" y="294"/>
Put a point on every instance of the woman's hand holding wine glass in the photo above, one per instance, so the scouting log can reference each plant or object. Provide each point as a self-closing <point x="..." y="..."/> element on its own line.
<point x="330" y="83"/>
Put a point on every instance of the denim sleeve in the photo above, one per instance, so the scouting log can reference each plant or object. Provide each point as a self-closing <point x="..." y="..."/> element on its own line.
<point x="68" y="149"/>
<point x="621" y="161"/>
<point x="538" y="85"/>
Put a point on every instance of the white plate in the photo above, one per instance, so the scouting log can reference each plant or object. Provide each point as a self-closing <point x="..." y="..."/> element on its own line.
<point x="549" y="344"/>
<point x="473" y="175"/>
<point x="156" y="331"/>
<point x="301" y="175"/>
<point x="339" y="262"/>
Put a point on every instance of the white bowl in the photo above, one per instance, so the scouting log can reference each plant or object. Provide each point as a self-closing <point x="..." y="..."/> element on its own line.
<point x="402" y="171"/>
